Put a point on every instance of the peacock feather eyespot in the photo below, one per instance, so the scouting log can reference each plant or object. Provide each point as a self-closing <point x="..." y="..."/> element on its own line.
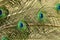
<point x="3" y="12"/>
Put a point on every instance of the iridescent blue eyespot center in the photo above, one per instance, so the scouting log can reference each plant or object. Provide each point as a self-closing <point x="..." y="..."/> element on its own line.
<point x="0" y="12"/>
<point x="59" y="7"/>
<point x="41" y="15"/>
<point x="21" y="24"/>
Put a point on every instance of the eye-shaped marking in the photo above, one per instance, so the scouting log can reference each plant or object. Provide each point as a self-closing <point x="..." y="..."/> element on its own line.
<point x="22" y="26"/>
<point x="3" y="12"/>
<point x="57" y="6"/>
<point x="40" y="16"/>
